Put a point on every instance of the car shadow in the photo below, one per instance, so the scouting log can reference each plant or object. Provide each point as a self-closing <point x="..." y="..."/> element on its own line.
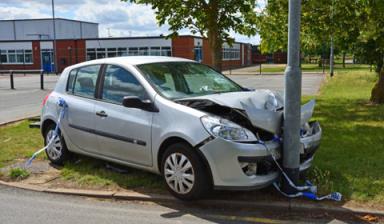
<point x="256" y="206"/>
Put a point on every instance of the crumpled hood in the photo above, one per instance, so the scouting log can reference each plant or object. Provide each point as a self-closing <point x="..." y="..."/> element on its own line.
<point x="259" y="98"/>
<point x="263" y="107"/>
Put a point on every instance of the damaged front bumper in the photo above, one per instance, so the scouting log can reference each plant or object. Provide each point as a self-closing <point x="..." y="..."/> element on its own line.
<point x="225" y="159"/>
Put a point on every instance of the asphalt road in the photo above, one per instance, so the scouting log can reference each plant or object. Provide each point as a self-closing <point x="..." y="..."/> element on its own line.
<point x="25" y="100"/>
<point x="21" y="206"/>
<point x="310" y="82"/>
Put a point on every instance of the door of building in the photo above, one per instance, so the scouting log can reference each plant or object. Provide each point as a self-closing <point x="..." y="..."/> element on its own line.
<point x="47" y="61"/>
<point x="198" y="54"/>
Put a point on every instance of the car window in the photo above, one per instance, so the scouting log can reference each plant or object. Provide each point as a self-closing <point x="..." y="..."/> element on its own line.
<point x="119" y="83"/>
<point x="85" y="83"/>
<point x="71" y="80"/>
<point x="177" y="80"/>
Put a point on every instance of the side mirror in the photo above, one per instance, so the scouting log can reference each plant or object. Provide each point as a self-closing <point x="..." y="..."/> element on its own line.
<point x="136" y="102"/>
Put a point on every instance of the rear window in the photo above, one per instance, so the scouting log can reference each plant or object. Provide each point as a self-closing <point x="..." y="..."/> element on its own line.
<point x="82" y="81"/>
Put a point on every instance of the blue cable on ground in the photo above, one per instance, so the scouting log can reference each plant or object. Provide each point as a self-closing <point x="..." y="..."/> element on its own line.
<point x="308" y="191"/>
<point x="63" y="106"/>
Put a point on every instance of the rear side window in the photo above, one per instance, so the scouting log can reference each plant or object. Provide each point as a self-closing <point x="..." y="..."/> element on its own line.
<point x="119" y="83"/>
<point x="71" y="80"/>
<point x="85" y="82"/>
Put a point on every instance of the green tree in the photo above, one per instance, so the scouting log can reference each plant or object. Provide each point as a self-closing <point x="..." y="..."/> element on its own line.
<point x="371" y="44"/>
<point x="212" y="19"/>
<point x="320" y="20"/>
<point x="356" y="25"/>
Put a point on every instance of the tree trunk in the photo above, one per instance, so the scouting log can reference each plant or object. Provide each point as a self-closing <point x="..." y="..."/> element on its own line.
<point x="215" y="45"/>
<point x="214" y="39"/>
<point x="343" y="59"/>
<point x="377" y="94"/>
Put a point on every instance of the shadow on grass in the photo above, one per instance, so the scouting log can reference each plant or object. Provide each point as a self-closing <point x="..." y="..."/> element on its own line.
<point x="350" y="159"/>
<point x="93" y="173"/>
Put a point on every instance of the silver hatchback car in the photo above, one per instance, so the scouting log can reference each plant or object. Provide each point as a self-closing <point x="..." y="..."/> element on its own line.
<point x="174" y="117"/>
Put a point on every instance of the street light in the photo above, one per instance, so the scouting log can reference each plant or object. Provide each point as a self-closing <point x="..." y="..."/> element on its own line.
<point x="291" y="149"/>
<point x="54" y="37"/>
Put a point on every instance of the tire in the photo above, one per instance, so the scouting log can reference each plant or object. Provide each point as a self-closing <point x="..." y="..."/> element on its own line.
<point x="187" y="180"/>
<point x="61" y="154"/>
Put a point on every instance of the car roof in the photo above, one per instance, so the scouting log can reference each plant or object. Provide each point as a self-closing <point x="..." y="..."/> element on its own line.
<point x="134" y="60"/>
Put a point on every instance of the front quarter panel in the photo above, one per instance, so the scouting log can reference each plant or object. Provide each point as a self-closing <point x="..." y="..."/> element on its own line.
<point x="176" y="120"/>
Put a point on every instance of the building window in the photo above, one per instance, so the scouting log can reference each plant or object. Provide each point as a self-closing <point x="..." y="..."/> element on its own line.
<point x="19" y="56"/>
<point x="91" y="54"/>
<point x="3" y="58"/>
<point x="231" y="53"/>
<point x="11" y="56"/>
<point x="16" y="57"/>
<point x="111" y="52"/>
<point x="28" y="56"/>
<point x="122" y="51"/>
<point x="155" y="51"/>
<point x="143" y="51"/>
<point x="133" y="51"/>
<point x="100" y="53"/>
<point x="166" y="51"/>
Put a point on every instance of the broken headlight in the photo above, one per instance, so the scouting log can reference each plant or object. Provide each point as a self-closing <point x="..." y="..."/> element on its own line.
<point x="226" y="129"/>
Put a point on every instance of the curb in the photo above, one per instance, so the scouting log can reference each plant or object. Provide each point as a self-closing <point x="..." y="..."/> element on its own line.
<point x="135" y="196"/>
<point x="18" y="119"/>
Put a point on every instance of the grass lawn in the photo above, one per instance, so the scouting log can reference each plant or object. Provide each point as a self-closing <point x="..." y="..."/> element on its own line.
<point x="92" y="173"/>
<point x="350" y="159"/>
<point x="18" y="141"/>
<point x="312" y="68"/>
<point x="351" y="156"/>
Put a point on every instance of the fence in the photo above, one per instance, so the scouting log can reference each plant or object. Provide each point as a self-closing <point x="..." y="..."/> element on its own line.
<point x="12" y="72"/>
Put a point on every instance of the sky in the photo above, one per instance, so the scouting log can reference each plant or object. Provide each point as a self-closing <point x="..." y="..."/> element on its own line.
<point x="115" y="18"/>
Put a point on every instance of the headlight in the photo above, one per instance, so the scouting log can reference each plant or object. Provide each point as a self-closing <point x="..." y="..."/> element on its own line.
<point x="226" y="129"/>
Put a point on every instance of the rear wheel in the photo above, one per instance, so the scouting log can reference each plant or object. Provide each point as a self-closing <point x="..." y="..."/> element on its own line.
<point x="58" y="153"/>
<point x="184" y="173"/>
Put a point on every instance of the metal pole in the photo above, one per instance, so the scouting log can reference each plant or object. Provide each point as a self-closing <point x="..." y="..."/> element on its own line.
<point x="260" y="68"/>
<point x="291" y="148"/>
<point x="11" y="80"/>
<point x="41" y="79"/>
<point x="331" y="58"/>
<point x="54" y="36"/>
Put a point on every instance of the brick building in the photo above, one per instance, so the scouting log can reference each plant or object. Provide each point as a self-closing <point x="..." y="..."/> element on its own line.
<point x="27" y="44"/>
<point x="278" y="57"/>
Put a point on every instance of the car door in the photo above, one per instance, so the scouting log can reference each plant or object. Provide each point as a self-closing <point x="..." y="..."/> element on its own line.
<point x="81" y="100"/>
<point x="123" y="133"/>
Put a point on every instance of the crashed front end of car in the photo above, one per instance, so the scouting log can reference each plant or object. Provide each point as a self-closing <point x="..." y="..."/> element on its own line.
<point x="243" y="125"/>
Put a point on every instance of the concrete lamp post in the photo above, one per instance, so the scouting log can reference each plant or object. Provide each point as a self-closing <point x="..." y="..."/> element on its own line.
<point x="291" y="150"/>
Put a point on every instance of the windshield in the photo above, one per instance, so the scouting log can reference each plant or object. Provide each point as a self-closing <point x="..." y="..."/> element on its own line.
<point x="176" y="80"/>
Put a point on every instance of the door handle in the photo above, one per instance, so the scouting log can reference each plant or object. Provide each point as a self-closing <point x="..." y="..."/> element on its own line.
<point x="101" y="114"/>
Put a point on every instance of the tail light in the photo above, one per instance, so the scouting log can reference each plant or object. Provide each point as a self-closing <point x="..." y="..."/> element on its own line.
<point x="45" y="99"/>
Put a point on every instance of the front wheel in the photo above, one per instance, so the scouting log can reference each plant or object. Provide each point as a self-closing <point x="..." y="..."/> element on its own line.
<point x="184" y="173"/>
<point x="58" y="153"/>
